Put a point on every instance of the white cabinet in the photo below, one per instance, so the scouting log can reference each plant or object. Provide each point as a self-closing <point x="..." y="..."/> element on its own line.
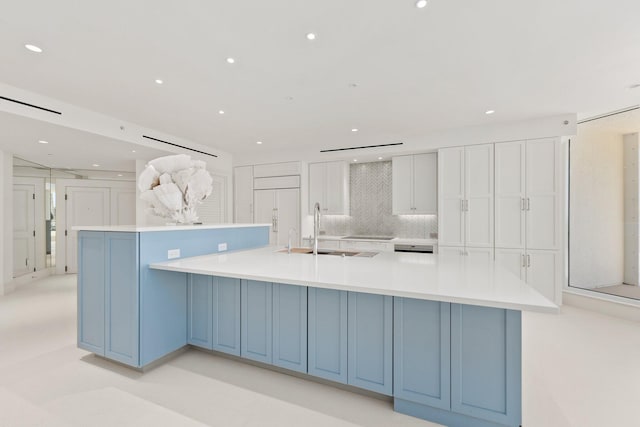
<point x="527" y="193"/>
<point x="243" y="194"/>
<point x="541" y="269"/>
<point x="280" y="208"/>
<point x="465" y="196"/>
<point x="414" y="184"/>
<point x="329" y="186"/>
<point x="475" y="254"/>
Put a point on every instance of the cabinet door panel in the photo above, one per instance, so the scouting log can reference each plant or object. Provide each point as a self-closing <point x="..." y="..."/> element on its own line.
<point x="370" y="342"/>
<point x="264" y="205"/>
<point x="480" y="254"/>
<point x="91" y="291"/>
<point x="121" y="302"/>
<point x="402" y="185"/>
<point x="226" y="315"/>
<point x="422" y="333"/>
<point x="317" y="185"/>
<point x="513" y="260"/>
<point x="543" y="190"/>
<point x="288" y="216"/>
<point x="256" y="324"/>
<point x="486" y="363"/>
<point x="425" y="176"/>
<point x="290" y="327"/>
<point x="544" y="271"/>
<point x="337" y="188"/>
<point x="199" y="310"/>
<point x="510" y="194"/>
<point x="450" y="196"/>
<point x="479" y="195"/>
<point x="328" y="334"/>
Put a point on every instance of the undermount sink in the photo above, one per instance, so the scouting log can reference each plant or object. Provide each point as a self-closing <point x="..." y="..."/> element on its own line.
<point x="335" y="252"/>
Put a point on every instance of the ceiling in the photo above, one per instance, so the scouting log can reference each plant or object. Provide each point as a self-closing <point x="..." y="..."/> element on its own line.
<point x="622" y="123"/>
<point x="387" y="68"/>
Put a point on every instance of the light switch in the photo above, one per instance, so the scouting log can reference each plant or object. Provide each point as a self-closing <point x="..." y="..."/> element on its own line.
<point x="222" y="247"/>
<point x="173" y="253"/>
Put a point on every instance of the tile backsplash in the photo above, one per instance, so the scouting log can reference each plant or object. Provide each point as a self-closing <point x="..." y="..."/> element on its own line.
<point x="370" y="205"/>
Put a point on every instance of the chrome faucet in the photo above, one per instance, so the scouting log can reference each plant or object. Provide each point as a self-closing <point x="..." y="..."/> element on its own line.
<point x="316" y="227"/>
<point x="291" y="230"/>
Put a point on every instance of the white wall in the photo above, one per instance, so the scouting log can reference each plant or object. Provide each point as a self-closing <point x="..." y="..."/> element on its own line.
<point x="597" y="208"/>
<point x="631" y="145"/>
<point x="6" y="220"/>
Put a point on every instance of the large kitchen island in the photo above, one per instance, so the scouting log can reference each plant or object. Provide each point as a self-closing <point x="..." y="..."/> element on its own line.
<point x="440" y="335"/>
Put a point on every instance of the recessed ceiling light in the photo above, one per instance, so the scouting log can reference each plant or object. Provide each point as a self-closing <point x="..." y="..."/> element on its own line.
<point x="42" y="141"/>
<point x="33" y="48"/>
<point x="159" y="81"/>
<point x="311" y="36"/>
<point x="133" y="151"/>
<point x="258" y="142"/>
<point x="119" y="174"/>
<point x="379" y="158"/>
<point x="231" y="60"/>
<point x="355" y="160"/>
<point x="354" y="130"/>
<point x="95" y="165"/>
<point x="489" y="112"/>
<point x="421" y="3"/>
<point x="221" y="112"/>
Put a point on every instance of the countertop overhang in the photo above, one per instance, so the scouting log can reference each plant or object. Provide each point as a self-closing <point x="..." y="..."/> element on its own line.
<point x="182" y="227"/>
<point x="436" y="277"/>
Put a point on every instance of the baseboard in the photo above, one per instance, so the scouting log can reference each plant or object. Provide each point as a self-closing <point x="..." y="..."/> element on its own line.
<point x="24" y="279"/>
<point x="603" y="303"/>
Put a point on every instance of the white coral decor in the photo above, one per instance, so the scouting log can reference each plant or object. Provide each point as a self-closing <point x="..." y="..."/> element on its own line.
<point x="173" y="186"/>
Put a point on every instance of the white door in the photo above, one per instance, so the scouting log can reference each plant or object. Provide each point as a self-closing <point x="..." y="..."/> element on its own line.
<point x="317" y="185"/>
<point x="23" y="229"/>
<point x="213" y="209"/>
<point x="510" y="195"/>
<point x="84" y="206"/>
<point x="543" y="271"/>
<point x="513" y="260"/>
<point x="425" y="177"/>
<point x="450" y="196"/>
<point x="484" y="255"/>
<point x="479" y="195"/>
<point x="264" y="203"/>
<point x="243" y="194"/>
<point x="123" y="206"/>
<point x="337" y="182"/>
<point x="287" y="216"/>
<point x="402" y="185"/>
<point x="543" y="188"/>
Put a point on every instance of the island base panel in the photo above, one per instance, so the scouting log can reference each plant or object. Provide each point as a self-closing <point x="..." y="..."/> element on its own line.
<point x="441" y="416"/>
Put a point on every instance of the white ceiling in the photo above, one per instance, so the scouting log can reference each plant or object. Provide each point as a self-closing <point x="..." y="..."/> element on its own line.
<point x="416" y="70"/>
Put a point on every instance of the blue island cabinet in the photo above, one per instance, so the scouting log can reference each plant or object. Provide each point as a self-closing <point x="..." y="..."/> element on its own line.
<point x="257" y="320"/>
<point x="290" y="327"/>
<point x="108" y="321"/>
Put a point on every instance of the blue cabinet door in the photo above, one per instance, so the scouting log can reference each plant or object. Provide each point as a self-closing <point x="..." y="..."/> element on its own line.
<point x="421" y="359"/>
<point x="91" y="291"/>
<point x="486" y="363"/>
<point x="371" y="342"/>
<point x="226" y="315"/>
<point x="328" y="334"/>
<point x="256" y="323"/>
<point x="199" y="310"/>
<point x="121" y="299"/>
<point x="290" y="327"/>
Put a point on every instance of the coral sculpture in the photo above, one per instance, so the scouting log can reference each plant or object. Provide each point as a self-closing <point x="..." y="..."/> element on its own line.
<point x="173" y="186"/>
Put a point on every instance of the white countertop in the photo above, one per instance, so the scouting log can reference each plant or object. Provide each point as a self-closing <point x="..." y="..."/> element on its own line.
<point x="422" y="276"/>
<point x="395" y="240"/>
<point x="138" y="229"/>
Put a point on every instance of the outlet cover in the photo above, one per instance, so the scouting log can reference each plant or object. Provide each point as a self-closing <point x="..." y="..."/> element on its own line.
<point x="222" y="247"/>
<point x="173" y="253"/>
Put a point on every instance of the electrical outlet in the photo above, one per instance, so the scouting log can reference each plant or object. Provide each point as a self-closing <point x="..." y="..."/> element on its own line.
<point x="222" y="247"/>
<point x="173" y="253"/>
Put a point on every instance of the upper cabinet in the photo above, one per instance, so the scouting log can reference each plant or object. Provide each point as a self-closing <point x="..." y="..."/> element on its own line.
<point x="329" y="186"/>
<point x="414" y="181"/>
<point x="465" y="193"/>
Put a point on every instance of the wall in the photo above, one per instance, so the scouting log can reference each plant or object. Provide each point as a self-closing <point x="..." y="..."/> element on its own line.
<point x="6" y="220"/>
<point x="371" y="205"/>
<point x="597" y="208"/>
<point x="631" y="145"/>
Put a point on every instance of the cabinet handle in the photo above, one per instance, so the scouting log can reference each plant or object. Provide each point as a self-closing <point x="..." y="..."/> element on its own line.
<point x="461" y="205"/>
<point x="522" y="205"/>
<point x="528" y="260"/>
<point x="524" y="264"/>
<point x="466" y="205"/>
<point x="528" y="204"/>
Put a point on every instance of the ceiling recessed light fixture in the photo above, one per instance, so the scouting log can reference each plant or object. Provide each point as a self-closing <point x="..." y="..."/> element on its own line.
<point x="133" y="151"/>
<point x="221" y="112"/>
<point x="159" y="81"/>
<point x="421" y="4"/>
<point x="258" y="142"/>
<point x="311" y="36"/>
<point x="33" y="48"/>
<point x="231" y="60"/>
<point x="379" y="158"/>
<point x="119" y="174"/>
<point x="354" y="130"/>
<point x="95" y="165"/>
<point x="355" y="160"/>
<point x="489" y="112"/>
<point x="42" y="141"/>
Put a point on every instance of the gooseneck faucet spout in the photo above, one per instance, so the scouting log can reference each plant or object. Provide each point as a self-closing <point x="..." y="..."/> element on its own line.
<point x="316" y="227"/>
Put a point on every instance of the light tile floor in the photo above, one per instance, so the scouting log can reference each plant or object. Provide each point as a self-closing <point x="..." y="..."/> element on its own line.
<point x="579" y="369"/>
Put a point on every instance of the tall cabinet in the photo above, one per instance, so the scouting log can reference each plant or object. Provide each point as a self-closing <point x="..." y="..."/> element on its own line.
<point x="329" y="186"/>
<point x="528" y="230"/>
<point x="465" y="200"/>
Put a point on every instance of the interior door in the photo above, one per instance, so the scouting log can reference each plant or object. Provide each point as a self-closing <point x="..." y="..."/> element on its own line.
<point x="510" y="194"/>
<point x="23" y="229"/>
<point x="450" y="196"/>
<point x="123" y="206"/>
<point x="479" y="195"/>
<point x="84" y="206"/>
<point x="287" y="214"/>
<point x="264" y="203"/>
